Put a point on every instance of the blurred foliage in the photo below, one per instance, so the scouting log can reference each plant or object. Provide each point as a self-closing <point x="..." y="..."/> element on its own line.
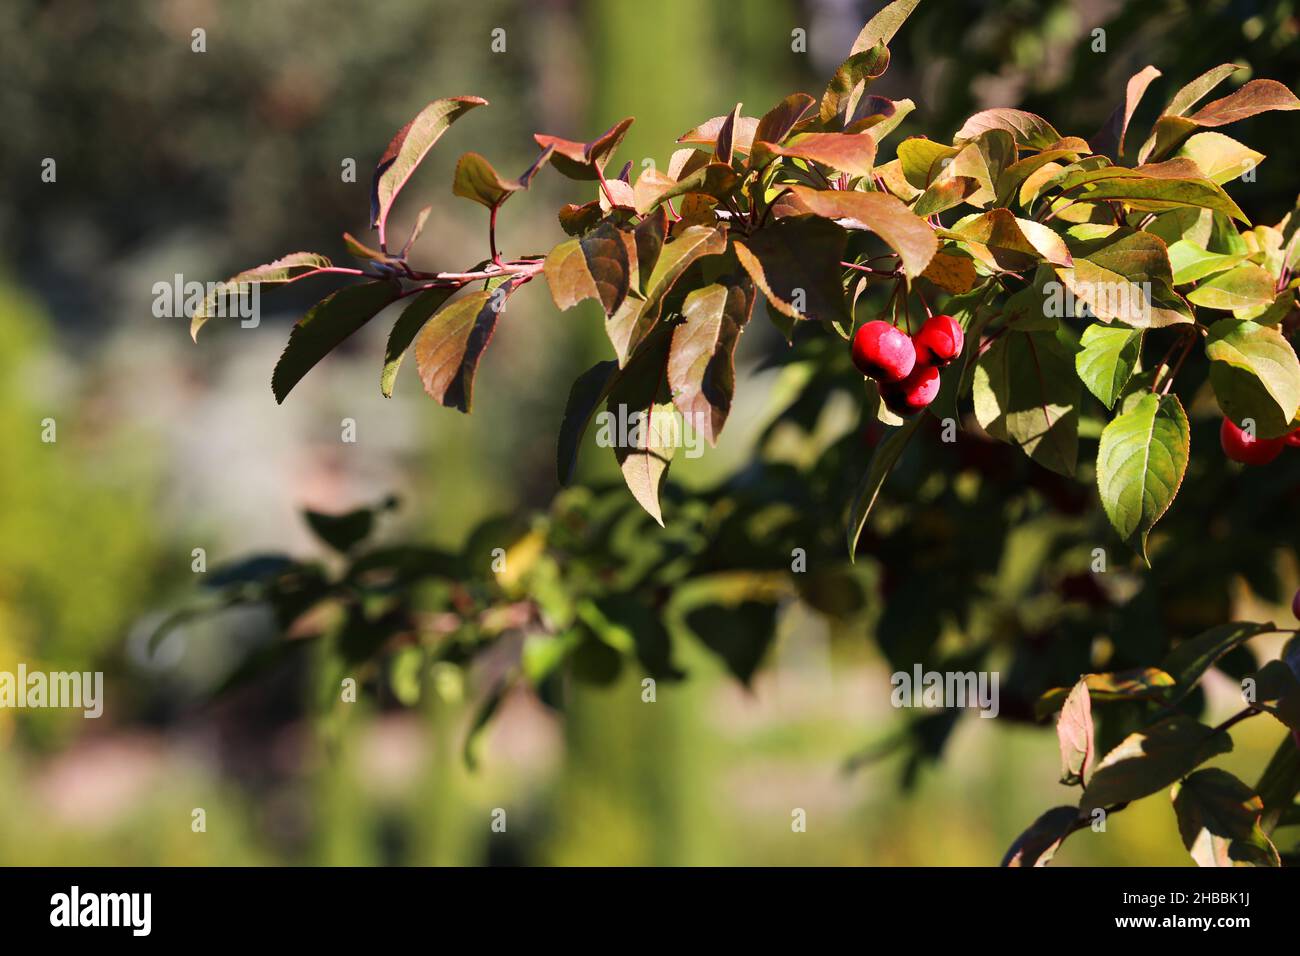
<point x="974" y="557"/>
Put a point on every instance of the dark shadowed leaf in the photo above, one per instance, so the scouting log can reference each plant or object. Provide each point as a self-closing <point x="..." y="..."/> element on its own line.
<point x="796" y="264"/>
<point x="1026" y="392"/>
<point x="404" y="331"/>
<point x="588" y="392"/>
<point x="1110" y="141"/>
<point x="777" y="123"/>
<point x="1189" y="661"/>
<point x="1150" y="760"/>
<point x="1147" y="683"/>
<point x="1218" y="819"/>
<point x="883" y="460"/>
<point x="902" y="230"/>
<point x="1037" y="845"/>
<point x="324" y="327"/>
<point x="644" y="450"/>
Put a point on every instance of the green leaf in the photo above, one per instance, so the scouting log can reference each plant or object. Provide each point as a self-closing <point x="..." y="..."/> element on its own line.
<point x="883" y="460"/>
<point x="1155" y="194"/>
<point x="1026" y="392"/>
<point x="409" y="147"/>
<point x="849" y="83"/>
<point x="901" y="229"/>
<point x="1221" y="158"/>
<point x="701" y="359"/>
<point x="717" y="180"/>
<point x="796" y="262"/>
<point x="882" y="27"/>
<point x="1126" y="276"/>
<point x="1195" y="91"/>
<point x="1255" y="375"/>
<point x="922" y="160"/>
<point x="588" y="391"/>
<point x="1218" y="819"/>
<point x="1141" y="460"/>
<point x="1075" y="736"/>
<point x="1190" y="262"/>
<point x="1276" y="684"/>
<point x="1246" y="286"/>
<point x="404" y="331"/>
<point x="1187" y="662"/>
<point x="1150" y="760"/>
<point x="476" y="179"/>
<point x="324" y="327"/>
<point x="449" y="346"/>
<point x="1003" y="242"/>
<point x="732" y="613"/>
<point x="290" y="268"/>
<point x="1109" y="356"/>
<point x="1037" y="845"/>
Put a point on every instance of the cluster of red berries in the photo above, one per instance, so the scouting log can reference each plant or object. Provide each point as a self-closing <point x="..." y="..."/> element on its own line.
<point x="907" y="366"/>
<point x="1240" y="445"/>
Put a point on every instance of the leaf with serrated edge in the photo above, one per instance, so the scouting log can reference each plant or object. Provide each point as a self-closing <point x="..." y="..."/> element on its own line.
<point x="1255" y="374"/>
<point x="1244" y="286"/>
<point x="1108" y="359"/>
<point x="324" y="327"/>
<point x="1038" y="844"/>
<point x="882" y="27"/>
<point x="286" y="269"/>
<point x="1150" y="760"/>
<point x="1141" y="460"/>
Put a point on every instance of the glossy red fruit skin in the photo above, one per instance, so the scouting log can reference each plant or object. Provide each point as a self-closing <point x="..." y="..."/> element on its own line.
<point x="1295" y="604"/>
<point x="913" y="393"/>
<point x="883" y="352"/>
<point x="939" y="341"/>
<point x="1238" y="447"/>
<point x="1293" y="440"/>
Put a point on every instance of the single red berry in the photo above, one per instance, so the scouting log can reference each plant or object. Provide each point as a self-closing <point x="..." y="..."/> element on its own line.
<point x="1248" y="449"/>
<point x="913" y="393"/>
<point x="1295" y="604"/>
<point x="883" y="352"/>
<point x="1293" y="439"/>
<point x="939" y="340"/>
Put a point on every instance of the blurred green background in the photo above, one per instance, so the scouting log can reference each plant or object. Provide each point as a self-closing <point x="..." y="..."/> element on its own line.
<point x="176" y="162"/>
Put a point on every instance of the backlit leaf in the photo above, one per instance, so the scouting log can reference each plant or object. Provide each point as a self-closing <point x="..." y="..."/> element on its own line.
<point x="409" y="147"/>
